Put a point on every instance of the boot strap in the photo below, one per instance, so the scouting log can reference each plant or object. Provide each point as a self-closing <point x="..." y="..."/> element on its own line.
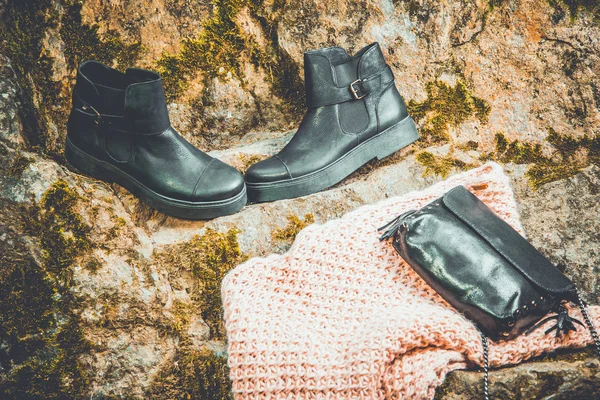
<point x="111" y="123"/>
<point x="331" y="94"/>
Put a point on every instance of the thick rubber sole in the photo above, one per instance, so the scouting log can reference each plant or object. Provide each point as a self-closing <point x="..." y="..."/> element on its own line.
<point x="104" y="171"/>
<point x="378" y="147"/>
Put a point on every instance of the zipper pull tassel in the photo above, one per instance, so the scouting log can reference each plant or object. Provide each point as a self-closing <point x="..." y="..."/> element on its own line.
<point x="564" y="323"/>
<point x="392" y="227"/>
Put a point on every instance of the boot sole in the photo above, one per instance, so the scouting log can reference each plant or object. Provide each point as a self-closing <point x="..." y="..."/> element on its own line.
<point x="107" y="172"/>
<point x="379" y="146"/>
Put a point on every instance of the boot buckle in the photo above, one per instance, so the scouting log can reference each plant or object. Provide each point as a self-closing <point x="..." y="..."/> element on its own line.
<point x="355" y="91"/>
<point x="87" y="107"/>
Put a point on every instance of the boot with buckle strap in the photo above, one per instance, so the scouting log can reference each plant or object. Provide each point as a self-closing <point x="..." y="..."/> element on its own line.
<point x="119" y="131"/>
<point x="355" y="114"/>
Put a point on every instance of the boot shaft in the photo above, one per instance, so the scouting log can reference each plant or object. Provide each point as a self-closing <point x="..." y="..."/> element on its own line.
<point x="332" y="68"/>
<point x="361" y="86"/>
<point x="132" y="102"/>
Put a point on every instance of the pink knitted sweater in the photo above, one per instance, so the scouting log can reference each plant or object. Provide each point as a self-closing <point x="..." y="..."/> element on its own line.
<point x="342" y="316"/>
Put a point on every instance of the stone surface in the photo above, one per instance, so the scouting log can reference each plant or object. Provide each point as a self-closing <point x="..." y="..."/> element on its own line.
<point x="533" y="62"/>
<point x="561" y="220"/>
<point x="561" y="379"/>
<point x="102" y="297"/>
<point x="10" y="124"/>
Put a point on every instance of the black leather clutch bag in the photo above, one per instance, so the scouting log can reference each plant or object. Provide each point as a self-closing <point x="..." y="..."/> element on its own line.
<point x="484" y="268"/>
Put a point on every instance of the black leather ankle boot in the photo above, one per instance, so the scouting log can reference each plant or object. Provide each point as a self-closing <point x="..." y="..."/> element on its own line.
<point x="355" y="114"/>
<point x="119" y="131"/>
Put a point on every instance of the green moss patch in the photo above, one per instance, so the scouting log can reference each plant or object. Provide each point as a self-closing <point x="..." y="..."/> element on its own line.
<point x="445" y="107"/>
<point x="199" y="373"/>
<point x="17" y="164"/>
<point x="441" y="166"/>
<point x="208" y="257"/>
<point x="470" y="145"/>
<point x="222" y="47"/>
<point x="574" y="7"/>
<point x="54" y="372"/>
<point x="38" y="322"/>
<point x="294" y="226"/>
<point x="215" y="51"/>
<point x="117" y="228"/>
<point x="193" y="374"/>
<point x="83" y="41"/>
<point x="515" y="151"/>
<point x="180" y="320"/>
<point x="249" y="160"/>
<point x="571" y="156"/>
<point x="62" y="232"/>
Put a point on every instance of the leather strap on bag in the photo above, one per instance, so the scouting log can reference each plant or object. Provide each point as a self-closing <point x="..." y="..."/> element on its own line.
<point x="583" y="307"/>
<point x="486" y="366"/>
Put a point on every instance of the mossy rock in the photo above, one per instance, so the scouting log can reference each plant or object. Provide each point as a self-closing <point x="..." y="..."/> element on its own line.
<point x="199" y="373"/>
<point x="294" y="226"/>
<point x="445" y="107"/>
<point x="193" y="374"/>
<point x="208" y="258"/>
<point x="222" y="47"/>
<point x="38" y="324"/>
<point x="46" y="100"/>
<point x="61" y="229"/>
<point x="571" y="155"/>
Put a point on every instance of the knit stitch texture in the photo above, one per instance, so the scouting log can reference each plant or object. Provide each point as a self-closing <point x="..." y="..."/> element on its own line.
<point x="342" y="316"/>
